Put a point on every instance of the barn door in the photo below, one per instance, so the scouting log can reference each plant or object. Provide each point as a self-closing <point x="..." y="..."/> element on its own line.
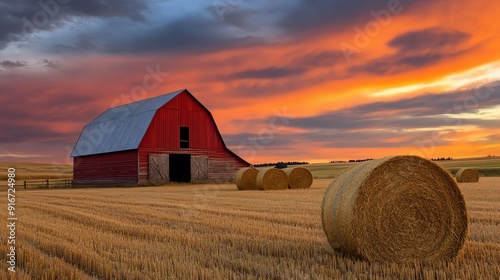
<point x="199" y="168"/>
<point x="158" y="169"/>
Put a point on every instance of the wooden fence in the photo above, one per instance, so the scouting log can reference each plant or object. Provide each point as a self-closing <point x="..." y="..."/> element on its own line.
<point x="49" y="183"/>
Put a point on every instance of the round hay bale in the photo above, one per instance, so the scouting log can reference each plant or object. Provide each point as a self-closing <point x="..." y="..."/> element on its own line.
<point x="396" y="209"/>
<point x="467" y="175"/>
<point x="299" y="177"/>
<point x="246" y="178"/>
<point x="272" y="179"/>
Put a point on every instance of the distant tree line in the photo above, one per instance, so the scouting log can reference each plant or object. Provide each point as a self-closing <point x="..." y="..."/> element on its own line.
<point x="441" y="158"/>
<point x="351" y="160"/>
<point x="280" y="164"/>
<point x="360" y="160"/>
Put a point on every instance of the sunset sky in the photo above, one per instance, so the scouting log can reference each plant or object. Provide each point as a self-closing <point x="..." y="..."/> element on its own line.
<point x="315" y="80"/>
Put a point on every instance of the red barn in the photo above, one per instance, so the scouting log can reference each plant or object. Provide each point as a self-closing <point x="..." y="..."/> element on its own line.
<point x="169" y="138"/>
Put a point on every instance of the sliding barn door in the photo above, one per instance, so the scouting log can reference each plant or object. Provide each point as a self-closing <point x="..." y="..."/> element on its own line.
<point x="158" y="169"/>
<point x="199" y="168"/>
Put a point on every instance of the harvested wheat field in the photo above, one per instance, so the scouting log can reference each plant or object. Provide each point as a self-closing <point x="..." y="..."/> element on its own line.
<point x="217" y="232"/>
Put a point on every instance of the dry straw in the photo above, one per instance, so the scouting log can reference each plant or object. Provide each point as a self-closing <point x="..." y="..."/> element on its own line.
<point x="396" y="209"/>
<point x="272" y="179"/>
<point x="299" y="177"/>
<point x="246" y="178"/>
<point x="467" y="175"/>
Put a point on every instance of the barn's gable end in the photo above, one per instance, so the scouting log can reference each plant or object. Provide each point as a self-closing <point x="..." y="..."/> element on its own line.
<point x="163" y="135"/>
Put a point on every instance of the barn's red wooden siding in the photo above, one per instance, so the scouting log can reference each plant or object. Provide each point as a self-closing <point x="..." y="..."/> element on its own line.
<point x="182" y="111"/>
<point x="118" y="168"/>
<point x="162" y="137"/>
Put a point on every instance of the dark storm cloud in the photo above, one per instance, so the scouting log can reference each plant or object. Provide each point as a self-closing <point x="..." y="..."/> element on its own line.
<point x="276" y="87"/>
<point x="391" y="65"/>
<point x="267" y="73"/>
<point x="320" y="59"/>
<point x="11" y="15"/>
<point x="420" y="60"/>
<point x="194" y="33"/>
<point x="240" y="18"/>
<point x="418" y="49"/>
<point x="334" y="15"/>
<point x="287" y="77"/>
<point x="190" y="34"/>
<point x="12" y="64"/>
<point x="112" y="8"/>
<point x="83" y="43"/>
<point x="430" y="39"/>
<point x="20" y="18"/>
<point x="297" y="66"/>
<point x="130" y="33"/>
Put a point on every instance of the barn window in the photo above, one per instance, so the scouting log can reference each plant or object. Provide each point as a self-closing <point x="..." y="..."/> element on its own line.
<point x="184" y="137"/>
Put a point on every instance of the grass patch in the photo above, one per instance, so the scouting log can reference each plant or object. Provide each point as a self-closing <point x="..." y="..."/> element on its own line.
<point x="33" y="171"/>
<point x="486" y="166"/>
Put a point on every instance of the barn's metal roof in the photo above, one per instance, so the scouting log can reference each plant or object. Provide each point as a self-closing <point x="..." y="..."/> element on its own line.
<point x="120" y="128"/>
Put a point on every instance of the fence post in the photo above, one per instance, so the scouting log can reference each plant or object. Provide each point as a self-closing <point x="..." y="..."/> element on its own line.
<point x="24" y="184"/>
<point x="47" y="183"/>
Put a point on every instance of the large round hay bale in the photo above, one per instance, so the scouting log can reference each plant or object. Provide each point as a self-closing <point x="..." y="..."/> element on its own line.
<point x="246" y="178"/>
<point x="467" y="175"/>
<point x="272" y="179"/>
<point x="396" y="209"/>
<point x="299" y="177"/>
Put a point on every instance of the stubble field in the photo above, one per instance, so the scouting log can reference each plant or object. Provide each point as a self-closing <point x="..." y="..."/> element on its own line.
<point x="215" y="232"/>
